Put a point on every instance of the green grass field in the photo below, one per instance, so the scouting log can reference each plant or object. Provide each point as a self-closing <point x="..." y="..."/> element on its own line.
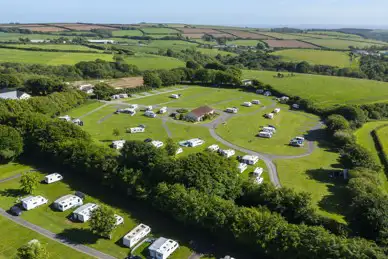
<point x="215" y="52"/>
<point x="150" y="62"/>
<point x="318" y="57"/>
<point x="54" y="46"/>
<point x="288" y="124"/>
<point x="14" y="236"/>
<point x="175" y="45"/>
<point x="15" y="36"/>
<point x="49" y="58"/>
<point x="159" y="31"/>
<point x="81" y="110"/>
<point x="285" y="36"/>
<point x="248" y="43"/>
<point x="342" y="44"/>
<point x="335" y="34"/>
<point x="127" y="33"/>
<point x="326" y="91"/>
<point x="11" y="169"/>
<point x="364" y="138"/>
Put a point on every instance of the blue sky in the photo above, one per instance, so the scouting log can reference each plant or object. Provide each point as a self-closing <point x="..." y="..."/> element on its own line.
<point x="224" y="12"/>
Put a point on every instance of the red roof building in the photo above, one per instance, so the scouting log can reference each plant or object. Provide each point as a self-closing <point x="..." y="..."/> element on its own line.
<point x="199" y="113"/>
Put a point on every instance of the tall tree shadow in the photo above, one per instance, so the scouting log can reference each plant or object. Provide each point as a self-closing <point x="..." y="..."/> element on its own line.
<point x="12" y="193"/>
<point x="78" y="235"/>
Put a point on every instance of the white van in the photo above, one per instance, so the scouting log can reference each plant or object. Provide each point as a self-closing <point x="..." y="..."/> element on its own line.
<point x="150" y="114"/>
<point x="231" y="110"/>
<point x="269" y="129"/>
<point x="247" y="104"/>
<point x="52" y="178"/>
<point x="264" y="134"/>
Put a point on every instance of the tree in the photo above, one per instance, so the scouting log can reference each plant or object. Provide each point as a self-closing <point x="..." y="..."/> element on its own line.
<point x="337" y="122"/>
<point x="44" y="85"/>
<point x="260" y="45"/>
<point x="11" y="143"/>
<point x="9" y="81"/>
<point x="192" y="64"/>
<point x="29" y="182"/>
<point x="152" y="79"/>
<point x="354" y="155"/>
<point x="171" y="147"/>
<point x="103" y="91"/>
<point x="116" y="132"/>
<point x="32" y="250"/>
<point x="303" y="67"/>
<point x="103" y="221"/>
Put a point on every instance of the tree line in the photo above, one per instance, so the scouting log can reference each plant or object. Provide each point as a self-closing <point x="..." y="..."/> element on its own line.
<point x="201" y="190"/>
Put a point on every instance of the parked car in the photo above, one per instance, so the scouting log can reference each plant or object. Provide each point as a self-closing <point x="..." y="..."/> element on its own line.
<point x="16" y="210"/>
<point x="148" y="140"/>
<point x="80" y="194"/>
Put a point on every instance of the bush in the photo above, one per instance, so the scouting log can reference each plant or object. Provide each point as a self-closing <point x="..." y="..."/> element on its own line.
<point x="354" y="155"/>
<point x="342" y="138"/>
<point x="11" y="144"/>
<point x="337" y="122"/>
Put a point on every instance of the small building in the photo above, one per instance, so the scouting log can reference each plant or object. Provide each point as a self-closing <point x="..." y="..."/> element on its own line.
<point x="175" y="96"/>
<point x="135" y="235"/>
<point x="163" y="110"/>
<point x="87" y="88"/>
<point x="157" y="143"/>
<point x="65" y="118"/>
<point x="249" y="160"/>
<point x="52" y="178"/>
<point x="119" y="220"/>
<point x="136" y="130"/>
<point x="150" y="114"/>
<point x="231" y="110"/>
<point x="162" y="248"/>
<point x="247" y="104"/>
<point x="118" y="144"/>
<point x="67" y="202"/>
<point x="213" y="148"/>
<point x="258" y="171"/>
<point x="256" y="102"/>
<point x="276" y="110"/>
<point x="102" y="41"/>
<point x="227" y="153"/>
<point x="84" y="212"/>
<point x="242" y="167"/>
<point x="199" y="113"/>
<point x="264" y="134"/>
<point x="31" y="202"/>
<point x="247" y="82"/>
<point x="269" y="116"/>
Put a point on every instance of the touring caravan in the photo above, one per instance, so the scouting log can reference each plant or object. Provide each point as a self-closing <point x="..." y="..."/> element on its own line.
<point x="52" y="178"/>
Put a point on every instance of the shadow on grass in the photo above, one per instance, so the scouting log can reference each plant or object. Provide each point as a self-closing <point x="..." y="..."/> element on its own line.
<point x="336" y="201"/>
<point x="12" y="193"/>
<point x="79" y="235"/>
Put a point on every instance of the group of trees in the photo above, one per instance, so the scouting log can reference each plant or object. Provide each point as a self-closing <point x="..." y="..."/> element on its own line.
<point x="375" y="68"/>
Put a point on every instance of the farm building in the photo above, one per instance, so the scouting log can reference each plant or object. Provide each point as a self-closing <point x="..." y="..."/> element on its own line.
<point x="163" y="110"/>
<point x="67" y="202"/>
<point x="231" y="110"/>
<point x="199" y="113"/>
<point x="264" y="134"/>
<point x="227" y="153"/>
<point x="249" y="160"/>
<point x="118" y="144"/>
<point x="150" y="114"/>
<point x="102" y="41"/>
<point x="242" y="167"/>
<point x="136" y="130"/>
<point x="135" y="235"/>
<point x="157" y="143"/>
<point x="14" y="95"/>
<point x="162" y="248"/>
<point x="247" y="104"/>
<point x="52" y="178"/>
<point x="84" y="212"/>
<point x="258" y="171"/>
<point x="119" y="220"/>
<point x="31" y="202"/>
<point x="213" y="148"/>
<point x="256" y="102"/>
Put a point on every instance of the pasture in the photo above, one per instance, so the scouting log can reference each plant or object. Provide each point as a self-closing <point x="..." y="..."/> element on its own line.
<point x="49" y="58"/>
<point x="54" y="46"/>
<point x="246" y="43"/>
<point x="247" y="34"/>
<point x="334" y="34"/>
<point x="12" y="169"/>
<point x="342" y="44"/>
<point x="215" y="52"/>
<point x="14" y="37"/>
<point x="127" y="33"/>
<point x="150" y="62"/>
<point x="289" y="44"/>
<point x="152" y="30"/>
<point x="14" y="236"/>
<point x="317" y="57"/>
<point x="325" y="91"/>
<point x="284" y="36"/>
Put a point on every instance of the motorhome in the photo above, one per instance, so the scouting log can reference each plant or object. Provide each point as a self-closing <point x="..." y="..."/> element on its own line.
<point x="247" y="104"/>
<point x="52" y="178"/>
<point x="162" y="248"/>
<point x="277" y="110"/>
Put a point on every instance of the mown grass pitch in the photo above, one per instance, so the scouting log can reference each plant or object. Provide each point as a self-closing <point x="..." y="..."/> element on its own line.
<point x="318" y="57"/>
<point x="13" y="236"/>
<point x="325" y="91"/>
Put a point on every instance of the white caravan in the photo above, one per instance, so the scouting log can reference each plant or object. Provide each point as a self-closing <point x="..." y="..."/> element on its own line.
<point x="31" y="202"/>
<point x="135" y="235"/>
<point x="52" y="178"/>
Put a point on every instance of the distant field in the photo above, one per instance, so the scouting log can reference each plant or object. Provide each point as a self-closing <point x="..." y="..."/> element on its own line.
<point x="325" y="90"/>
<point x="215" y="52"/>
<point x="335" y="34"/>
<point x="159" y="36"/>
<point x="198" y="30"/>
<point x="159" y="31"/>
<point x="194" y="35"/>
<point x="150" y="62"/>
<point x="127" y="33"/>
<point x="44" y="28"/>
<point x="83" y="27"/>
<point x="284" y="36"/>
<point x="244" y="42"/>
<point x="49" y="58"/>
<point x="172" y="44"/>
<point x="15" y="36"/>
<point x="247" y="34"/>
<point x="53" y="46"/>
<point x="341" y="44"/>
<point x="289" y="44"/>
<point x="318" y="57"/>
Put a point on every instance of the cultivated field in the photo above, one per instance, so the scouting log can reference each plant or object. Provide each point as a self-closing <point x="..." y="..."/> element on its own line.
<point x="249" y="43"/>
<point x="198" y="30"/>
<point x="5" y="37"/>
<point x="325" y="90"/>
<point x="14" y="236"/>
<point x="83" y="27"/>
<point x="127" y="33"/>
<point x="341" y="44"/>
<point x="284" y="36"/>
<point x="215" y="52"/>
<point x="335" y="34"/>
<point x="49" y="58"/>
<point x="222" y="35"/>
<point x="317" y="57"/>
<point x="149" y="62"/>
<point x="289" y="44"/>
<point x="127" y="82"/>
<point x="159" y="31"/>
<point x="247" y="34"/>
<point x="44" y="28"/>
<point x="194" y="35"/>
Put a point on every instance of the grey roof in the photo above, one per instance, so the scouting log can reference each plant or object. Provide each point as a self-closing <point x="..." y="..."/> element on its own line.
<point x="158" y="243"/>
<point x="11" y="94"/>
